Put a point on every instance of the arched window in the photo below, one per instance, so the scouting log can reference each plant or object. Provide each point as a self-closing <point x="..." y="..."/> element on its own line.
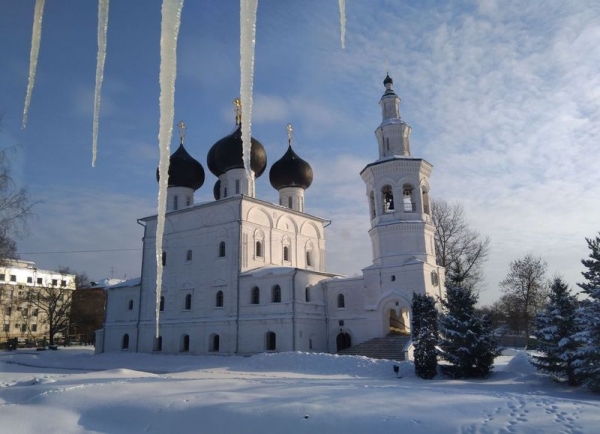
<point x="130" y="305"/>
<point x="276" y="294"/>
<point x="188" y="302"/>
<point x="214" y="343"/>
<point x="158" y="344"/>
<point x="125" y="342"/>
<point x="341" y="301"/>
<point x="290" y="202"/>
<point x="434" y="279"/>
<point x="188" y="255"/>
<point x="224" y="192"/>
<point x="309" y="258"/>
<point x="387" y="198"/>
<point x="185" y="343"/>
<point x="259" y="249"/>
<point x="286" y="253"/>
<point x="307" y="294"/>
<point x="175" y="204"/>
<point x="162" y="303"/>
<point x="222" y="249"/>
<point x="164" y="258"/>
<point x="255" y="298"/>
<point x="237" y="186"/>
<point x="188" y="201"/>
<point x="407" y="198"/>
<point x="219" y="301"/>
<point x="271" y="339"/>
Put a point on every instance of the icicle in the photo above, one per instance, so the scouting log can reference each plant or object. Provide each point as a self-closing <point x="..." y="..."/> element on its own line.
<point x="343" y="22"/>
<point x="171" y="19"/>
<point x="100" y="58"/>
<point x="36" y="38"/>
<point x="247" y="40"/>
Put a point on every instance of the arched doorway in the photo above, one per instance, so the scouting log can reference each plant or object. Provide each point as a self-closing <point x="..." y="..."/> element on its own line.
<point x="343" y="341"/>
<point x="398" y="324"/>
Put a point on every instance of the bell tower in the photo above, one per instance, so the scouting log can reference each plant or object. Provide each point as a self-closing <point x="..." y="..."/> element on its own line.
<point x="397" y="187"/>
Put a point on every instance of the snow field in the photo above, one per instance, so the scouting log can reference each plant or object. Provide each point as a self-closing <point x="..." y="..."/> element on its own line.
<point x="74" y="391"/>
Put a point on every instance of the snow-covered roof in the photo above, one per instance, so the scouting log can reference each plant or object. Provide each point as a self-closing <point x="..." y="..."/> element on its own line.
<point x="126" y="283"/>
<point x="268" y="269"/>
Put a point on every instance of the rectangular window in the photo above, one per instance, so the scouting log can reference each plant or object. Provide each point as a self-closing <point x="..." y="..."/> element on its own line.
<point x="6" y="327"/>
<point x="39" y="280"/>
<point x="34" y="327"/>
<point x="13" y="278"/>
<point x="30" y="279"/>
<point x="25" y="312"/>
<point x="35" y="312"/>
<point x="3" y="277"/>
<point x="23" y="327"/>
<point x="63" y="283"/>
<point x="54" y="282"/>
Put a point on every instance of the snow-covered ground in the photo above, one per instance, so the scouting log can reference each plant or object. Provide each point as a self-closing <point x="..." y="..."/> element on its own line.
<point x="73" y="391"/>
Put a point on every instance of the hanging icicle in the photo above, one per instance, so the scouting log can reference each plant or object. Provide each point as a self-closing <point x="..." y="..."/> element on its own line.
<point x="36" y="38"/>
<point x="171" y="19"/>
<point x="100" y="58"/>
<point x="247" y="41"/>
<point x="343" y="22"/>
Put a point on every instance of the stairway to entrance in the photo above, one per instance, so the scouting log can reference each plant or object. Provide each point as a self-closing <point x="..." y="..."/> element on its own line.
<point x="389" y="347"/>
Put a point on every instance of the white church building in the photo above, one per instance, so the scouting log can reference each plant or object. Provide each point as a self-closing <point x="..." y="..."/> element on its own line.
<point x="243" y="275"/>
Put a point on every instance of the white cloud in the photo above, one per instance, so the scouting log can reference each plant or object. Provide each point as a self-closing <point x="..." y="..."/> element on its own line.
<point x="89" y="226"/>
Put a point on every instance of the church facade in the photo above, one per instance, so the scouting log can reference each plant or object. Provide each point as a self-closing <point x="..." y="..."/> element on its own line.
<point x="243" y="275"/>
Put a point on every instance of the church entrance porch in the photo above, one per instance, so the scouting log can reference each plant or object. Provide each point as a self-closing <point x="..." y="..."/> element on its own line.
<point x="396" y="319"/>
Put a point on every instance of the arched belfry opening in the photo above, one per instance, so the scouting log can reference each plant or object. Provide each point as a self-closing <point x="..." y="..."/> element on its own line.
<point x="425" y="198"/>
<point x="408" y="198"/>
<point x="387" y="196"/>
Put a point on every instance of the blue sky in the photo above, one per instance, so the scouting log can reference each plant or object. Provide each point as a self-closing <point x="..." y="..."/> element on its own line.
<point x="503" y="98"/>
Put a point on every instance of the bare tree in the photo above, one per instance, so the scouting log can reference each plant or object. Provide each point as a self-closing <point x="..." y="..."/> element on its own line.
<point x="81" y="279"/>
<point x="7" y="305"/>
<point x="460" y="249"/>
<point x="54" y="307"/>
<point x="15" y="208"/>
<point x="525" y="288"/>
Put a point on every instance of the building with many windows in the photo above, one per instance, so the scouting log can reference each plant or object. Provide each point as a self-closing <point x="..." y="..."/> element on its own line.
<point x="243" y="275"/>
<point x="21" y="286"/>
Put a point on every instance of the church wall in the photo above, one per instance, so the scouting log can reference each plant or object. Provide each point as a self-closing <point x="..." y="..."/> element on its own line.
<point x="200" y="334"/>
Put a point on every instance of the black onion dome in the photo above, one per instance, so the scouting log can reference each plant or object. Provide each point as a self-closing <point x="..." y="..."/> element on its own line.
<point x="290" y="171"/>
<point x="227" y="153"/>
<point x="184" y="171"/>
<point x="388" y="79"/>
<point x="217" y="190"/>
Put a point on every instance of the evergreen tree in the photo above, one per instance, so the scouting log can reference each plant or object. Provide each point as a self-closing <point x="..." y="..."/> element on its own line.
<point x="424" y="335"/>
<point x="555" y="327"/>
<point x="467" y="339"/>
<point x="588" y="355"/>
<point x="592" y="275"/>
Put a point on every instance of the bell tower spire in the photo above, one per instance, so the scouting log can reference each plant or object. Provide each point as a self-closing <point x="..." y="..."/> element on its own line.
<point x="393" y="134"/>
<point x="402" y="231"/>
